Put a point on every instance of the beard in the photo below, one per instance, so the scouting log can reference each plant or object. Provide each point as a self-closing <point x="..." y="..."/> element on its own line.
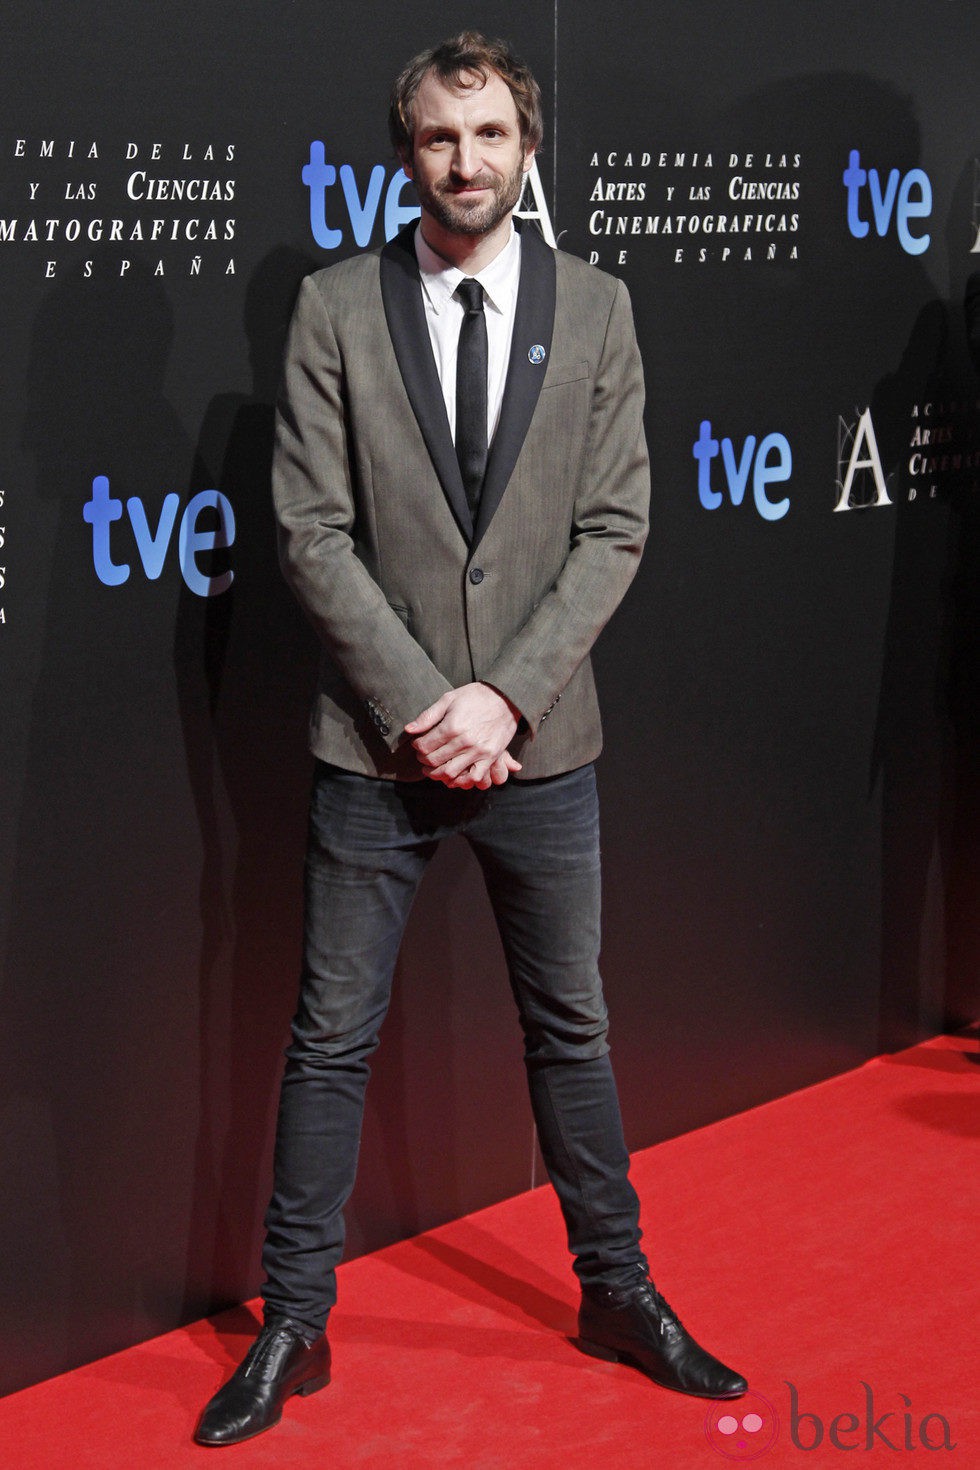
<point x="465" y="217"/>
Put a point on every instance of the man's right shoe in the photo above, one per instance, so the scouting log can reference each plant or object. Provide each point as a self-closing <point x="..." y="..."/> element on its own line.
<point x="279" y="1363"/>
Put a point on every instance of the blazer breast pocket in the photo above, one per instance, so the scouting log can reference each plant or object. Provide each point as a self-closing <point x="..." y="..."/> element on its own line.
<point x="565" y="372"/>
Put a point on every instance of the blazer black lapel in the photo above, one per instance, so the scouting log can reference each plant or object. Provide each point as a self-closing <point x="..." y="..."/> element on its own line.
<point x="534" y="323"/>
<point x="401" y="294"/>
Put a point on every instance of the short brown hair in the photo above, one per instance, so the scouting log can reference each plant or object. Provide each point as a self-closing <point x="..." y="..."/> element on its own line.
<point x="467" y="52"/>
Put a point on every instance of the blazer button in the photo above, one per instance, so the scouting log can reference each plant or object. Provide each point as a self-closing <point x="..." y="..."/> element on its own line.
<point x="476" y="575"/>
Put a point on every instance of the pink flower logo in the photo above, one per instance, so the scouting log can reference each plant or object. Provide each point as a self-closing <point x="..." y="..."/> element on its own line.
<point x="743" y="1430"/>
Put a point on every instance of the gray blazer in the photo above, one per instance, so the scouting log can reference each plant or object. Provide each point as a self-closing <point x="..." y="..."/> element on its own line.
<point x="408" y="596"/>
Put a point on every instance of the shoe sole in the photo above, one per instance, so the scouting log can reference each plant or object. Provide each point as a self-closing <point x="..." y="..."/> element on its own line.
<point x="613" y="1355"/>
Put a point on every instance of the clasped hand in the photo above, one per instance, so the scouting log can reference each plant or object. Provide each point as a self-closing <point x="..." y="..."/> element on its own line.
<point x="462" y="739"/>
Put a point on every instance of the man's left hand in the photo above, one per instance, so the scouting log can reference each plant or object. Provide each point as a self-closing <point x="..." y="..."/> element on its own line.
<point x="462" y="739"/>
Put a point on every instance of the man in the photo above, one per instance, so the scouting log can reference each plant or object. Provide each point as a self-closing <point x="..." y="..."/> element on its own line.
<point x="461" y="484"/>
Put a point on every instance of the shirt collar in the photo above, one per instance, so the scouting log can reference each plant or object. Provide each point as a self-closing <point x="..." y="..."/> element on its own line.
<point x="499" y="279"/>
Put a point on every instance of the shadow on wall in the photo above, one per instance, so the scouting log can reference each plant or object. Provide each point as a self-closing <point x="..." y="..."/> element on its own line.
<point x="244" y="664"/>
<point x="153" y="938"/>
<point x="871" y="301"/>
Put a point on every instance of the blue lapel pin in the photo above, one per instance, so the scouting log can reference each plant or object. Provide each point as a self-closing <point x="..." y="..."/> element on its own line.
<point x="536" y="354"/>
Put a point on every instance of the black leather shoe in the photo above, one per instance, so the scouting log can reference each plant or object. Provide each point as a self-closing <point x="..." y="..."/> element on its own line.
<point x="279" y="1363"/>
<point x="634" y="1324"/>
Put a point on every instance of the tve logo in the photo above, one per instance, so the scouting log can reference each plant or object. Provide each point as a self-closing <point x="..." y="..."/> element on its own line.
<point x="152" y="546"/>
<point x="319" y="176"/>
<point x="907" y="198"/>
<point x="361" y="210"/>
<point x="769" y="464"/>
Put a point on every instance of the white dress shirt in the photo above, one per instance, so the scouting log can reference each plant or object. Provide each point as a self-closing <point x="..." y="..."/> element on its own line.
<point x="444" y="316"/>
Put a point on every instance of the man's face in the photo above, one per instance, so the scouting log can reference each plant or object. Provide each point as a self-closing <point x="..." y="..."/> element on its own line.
<point x="467" y="161"/>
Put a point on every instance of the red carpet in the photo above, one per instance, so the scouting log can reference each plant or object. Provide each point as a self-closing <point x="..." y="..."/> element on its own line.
<point x="826" y="1241"/>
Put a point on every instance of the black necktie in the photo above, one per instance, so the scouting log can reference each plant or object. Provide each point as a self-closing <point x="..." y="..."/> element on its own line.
<point x="471" y="391"/>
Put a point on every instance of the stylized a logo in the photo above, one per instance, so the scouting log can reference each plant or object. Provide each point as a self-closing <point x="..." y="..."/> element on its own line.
<point x="858" y="443"/>
<point x="539" y="210"/>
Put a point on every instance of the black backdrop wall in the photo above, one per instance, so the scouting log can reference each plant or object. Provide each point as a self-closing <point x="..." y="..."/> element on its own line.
<point x="791" y="691"/>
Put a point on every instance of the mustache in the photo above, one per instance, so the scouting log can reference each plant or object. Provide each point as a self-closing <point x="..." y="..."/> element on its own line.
<point x="454" y="183"/>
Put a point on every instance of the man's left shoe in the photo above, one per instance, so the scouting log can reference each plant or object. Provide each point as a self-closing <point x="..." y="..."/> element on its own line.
<point x="635" y="1325"/>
